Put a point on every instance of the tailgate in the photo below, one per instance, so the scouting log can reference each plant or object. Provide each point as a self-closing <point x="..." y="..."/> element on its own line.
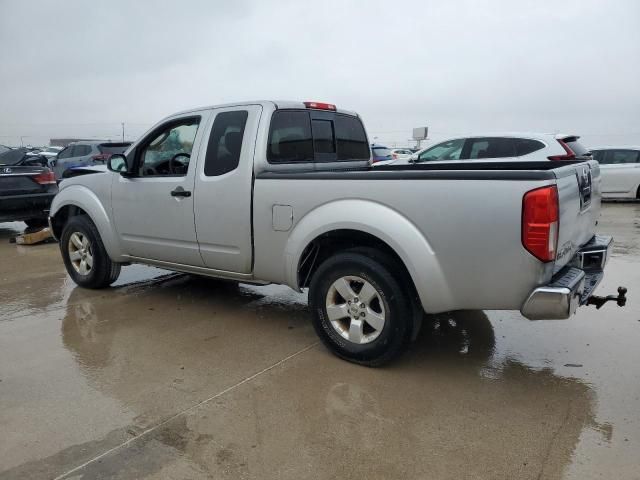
<point x="579" y="202"/>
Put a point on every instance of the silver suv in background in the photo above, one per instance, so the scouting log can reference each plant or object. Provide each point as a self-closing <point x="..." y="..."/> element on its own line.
<point x="525" y="146"/>
<point x="85" y="153"/>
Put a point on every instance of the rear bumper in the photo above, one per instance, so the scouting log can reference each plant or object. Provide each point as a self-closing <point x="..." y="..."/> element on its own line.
<point x="572" y="286"/>
<point x="21" y="207"/>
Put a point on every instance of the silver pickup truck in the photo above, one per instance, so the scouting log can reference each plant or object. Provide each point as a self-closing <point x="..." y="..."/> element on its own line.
<point x="283" y="192"/>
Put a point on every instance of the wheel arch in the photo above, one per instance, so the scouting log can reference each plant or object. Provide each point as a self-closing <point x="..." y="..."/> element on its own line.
<point x="79" y="200"/>
<point x="343" y="224"/>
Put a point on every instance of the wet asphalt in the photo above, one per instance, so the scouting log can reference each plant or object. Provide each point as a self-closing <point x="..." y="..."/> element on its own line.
<point x="169" y="376"/>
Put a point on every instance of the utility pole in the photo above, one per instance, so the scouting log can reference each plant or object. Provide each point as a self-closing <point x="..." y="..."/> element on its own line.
<point x="122" y="131"/>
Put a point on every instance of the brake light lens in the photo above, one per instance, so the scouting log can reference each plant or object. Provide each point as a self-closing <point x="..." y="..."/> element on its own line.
<point x="569" y="156"/>
<point x="320" y="106"/>
<point x="45" y="178"/>
<point x="540" y="213"/>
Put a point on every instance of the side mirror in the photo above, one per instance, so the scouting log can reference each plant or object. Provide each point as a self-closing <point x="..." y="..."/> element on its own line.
<point x="118" y="163"/>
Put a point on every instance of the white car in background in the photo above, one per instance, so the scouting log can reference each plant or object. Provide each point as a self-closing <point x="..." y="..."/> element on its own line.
<point x="620" y="168"/>
<point x="521" y="146"/>
<point x="401" y="153"/>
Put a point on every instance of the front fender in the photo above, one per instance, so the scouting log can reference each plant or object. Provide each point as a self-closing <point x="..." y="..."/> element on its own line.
<point x="386" y="224"/>
<point x="82" y="197"/>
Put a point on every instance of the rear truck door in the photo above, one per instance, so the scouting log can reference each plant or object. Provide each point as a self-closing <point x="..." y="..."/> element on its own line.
<point x="224" y="189"/>
<point x="153" y="209"/>
<point x="579" y="208"/>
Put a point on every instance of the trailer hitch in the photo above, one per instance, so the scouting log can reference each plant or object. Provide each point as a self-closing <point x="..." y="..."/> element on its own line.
<point x="620" y="299"/>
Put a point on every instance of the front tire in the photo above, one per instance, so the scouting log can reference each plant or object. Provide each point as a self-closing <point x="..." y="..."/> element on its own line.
<point x="84" y="255"/>
<point x="360" y="310"/>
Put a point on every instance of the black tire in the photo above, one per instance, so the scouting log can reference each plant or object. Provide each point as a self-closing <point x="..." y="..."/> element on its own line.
<point x="103" y="271"/>
<point x="385" y="276"/>
<point x="36" y="222"/>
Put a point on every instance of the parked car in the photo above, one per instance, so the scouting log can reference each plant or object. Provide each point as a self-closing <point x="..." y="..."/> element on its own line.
<point x="620" y="167"/>
<point x="283" y="192"/>
<point x="50" y="153"/>
<point x="380" y="153"/>
<point x="27" y="187"/>
<point x="521" y="146"/>
<point x="81" y="154"/>
<point x="401" y="153"/>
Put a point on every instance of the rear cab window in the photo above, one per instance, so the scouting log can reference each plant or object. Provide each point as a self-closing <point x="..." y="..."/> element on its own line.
<point x="313" y="136"/>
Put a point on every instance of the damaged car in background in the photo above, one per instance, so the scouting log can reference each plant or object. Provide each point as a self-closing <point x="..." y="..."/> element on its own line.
<point x="27" y="187"/>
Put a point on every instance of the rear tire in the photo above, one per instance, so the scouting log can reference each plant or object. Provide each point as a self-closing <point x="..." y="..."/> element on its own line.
<point x="84" y="255"/>
<point x="359" y="308"/>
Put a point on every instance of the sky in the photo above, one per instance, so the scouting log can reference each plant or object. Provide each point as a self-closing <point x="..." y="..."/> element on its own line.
<point x="78" y="68"/>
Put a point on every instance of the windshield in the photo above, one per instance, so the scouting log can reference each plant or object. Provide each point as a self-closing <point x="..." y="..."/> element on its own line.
<point x="13" y="157"/>
<point x="449" y="150"/>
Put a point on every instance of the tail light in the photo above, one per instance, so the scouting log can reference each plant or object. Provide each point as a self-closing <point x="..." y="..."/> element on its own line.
<point x="569" y="156"/>
<point x="102" y="157"/>
<point x="540" y="222"/>
<point x="320" y="106"/>
<point x="45" y="178"/>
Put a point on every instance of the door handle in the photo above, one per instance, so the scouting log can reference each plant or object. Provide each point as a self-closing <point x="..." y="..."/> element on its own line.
<point x="180" y="192"/>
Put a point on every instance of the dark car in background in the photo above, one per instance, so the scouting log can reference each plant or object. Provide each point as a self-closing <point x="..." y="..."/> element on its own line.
<point x="27" y="187"/>
<point x="380" y="153"/>
<point x="85" y="153"/>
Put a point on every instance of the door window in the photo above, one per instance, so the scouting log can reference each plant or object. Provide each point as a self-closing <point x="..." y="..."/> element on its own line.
<point x="618" y="156"/>
<point x="81" y="150"/>
<point x="225" y="143"/>
<point x="168" y="150"/>
<point x="491" y="147"/>
<point x="66" y="153"/>
<point x="449" y="150"/>
<point x="525" y="146"/>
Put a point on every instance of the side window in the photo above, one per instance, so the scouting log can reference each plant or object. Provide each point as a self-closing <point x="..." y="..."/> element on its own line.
<point x="225" y="143"/>
<point x="290" y="137"/>
<point x="525" y="146"/>
<point x="449" y="150"/>
<point x="600" y="156"/>
<point x="168" y="152"/>
<point x="66" y="153"/>
<point x="82" y="150"/>
<point x="351" y="138"/>
<point x="622" y="156"/>
<point x="495" y="147"/>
